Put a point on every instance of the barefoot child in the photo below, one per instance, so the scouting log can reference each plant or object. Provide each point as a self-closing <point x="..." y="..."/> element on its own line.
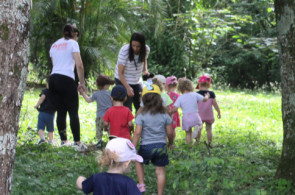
<point x="205" y="108"/>
<point x="153" y="124"/>
<point x="46" y="116"/>
<point x="119" y="117"/>
<point x="171" y="85"/>
<point x="118" y="154"/>
<point x="103" y="102"/>
<point x="188" y="102"/>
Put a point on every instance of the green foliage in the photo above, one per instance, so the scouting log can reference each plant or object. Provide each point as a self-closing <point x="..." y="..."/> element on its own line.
<point x="247" y="148"/>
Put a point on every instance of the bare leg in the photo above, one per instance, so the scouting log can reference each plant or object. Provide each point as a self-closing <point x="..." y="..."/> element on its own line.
<point x="200" y="132"/>
<point x="41" y="134"/>
<point x="160" y="172"/>
<point x="188" y="136"/>
<point x="50" y="135"/>
<point x="139" y="172"/>
<point x="209" y="132"/>
<point x="174" y="134"/>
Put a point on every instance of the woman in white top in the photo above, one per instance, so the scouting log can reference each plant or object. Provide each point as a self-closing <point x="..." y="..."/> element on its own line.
<point x="131" y="64"/>
<point x="65" y="55"/>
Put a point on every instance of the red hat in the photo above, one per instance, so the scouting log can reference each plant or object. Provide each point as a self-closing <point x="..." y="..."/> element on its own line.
<point x="204" y="79"/>
<point x="171" y="80"/>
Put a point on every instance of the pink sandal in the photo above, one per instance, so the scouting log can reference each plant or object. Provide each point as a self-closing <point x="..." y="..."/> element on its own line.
<point x="141" y="187"/>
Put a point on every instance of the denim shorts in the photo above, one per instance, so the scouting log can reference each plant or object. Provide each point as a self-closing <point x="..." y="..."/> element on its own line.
<point x="156" y="153"/>
<point x="45" y="120"/>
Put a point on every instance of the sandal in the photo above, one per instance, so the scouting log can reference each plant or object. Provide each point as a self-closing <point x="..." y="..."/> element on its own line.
<point x="141" y="187"/>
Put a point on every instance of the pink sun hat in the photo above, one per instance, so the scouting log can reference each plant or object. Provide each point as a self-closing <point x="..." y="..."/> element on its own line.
<point x="204" y="79"/>
<point x="124" y="149"/>
<point x="171" y="80"/>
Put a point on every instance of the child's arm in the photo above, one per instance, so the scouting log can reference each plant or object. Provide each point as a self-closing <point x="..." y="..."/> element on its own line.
<point x="206" y="97"/>
<point x="136" y="135"/>
<point x="173" y="110"/>
<point x="106" y="126"/>
<point x="40" y="101"/>
<point x="79" y="181"/>
<point x="131" y="127"/>
<point x="86" y="97"/>
<point x="215" y="105"/>
<point x="169" y="132"/>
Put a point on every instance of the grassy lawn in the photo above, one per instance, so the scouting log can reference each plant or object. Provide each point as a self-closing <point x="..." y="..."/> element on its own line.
<point x="248" y="140"/>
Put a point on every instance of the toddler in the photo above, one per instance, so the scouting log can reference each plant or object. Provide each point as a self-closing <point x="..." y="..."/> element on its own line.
<point x="118" y="154"/>
<point x="103" y="102"/>
<point x="153" y="124"/>
<point x="188" y="102"/>
<point x="46" y="116"/>
<point x="171" y="85"/>
<point x="205" y="108"/>
<point x="119" y="117"/>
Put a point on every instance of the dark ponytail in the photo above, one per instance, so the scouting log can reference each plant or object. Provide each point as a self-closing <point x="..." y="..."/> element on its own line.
<point x="68" y="31"/>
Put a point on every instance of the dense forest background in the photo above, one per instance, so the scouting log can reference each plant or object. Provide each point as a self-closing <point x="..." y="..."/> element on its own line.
<point x="234" y="41"/>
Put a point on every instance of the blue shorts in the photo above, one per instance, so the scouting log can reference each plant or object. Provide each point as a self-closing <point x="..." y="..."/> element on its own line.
<point x="45" y="119"/>
<point x="156" y="153"/>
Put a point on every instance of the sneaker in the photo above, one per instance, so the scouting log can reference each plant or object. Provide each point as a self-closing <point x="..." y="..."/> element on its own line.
<point x="62" y="143"/>
<point x="42" y="141"/>
<point x="99" y="144"/>
<point x="50" y="142"/>
<point x="79" y="147"/>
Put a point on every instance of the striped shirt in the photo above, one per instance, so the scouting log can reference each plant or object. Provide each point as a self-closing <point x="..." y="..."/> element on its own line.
<point x="131" y="73"/>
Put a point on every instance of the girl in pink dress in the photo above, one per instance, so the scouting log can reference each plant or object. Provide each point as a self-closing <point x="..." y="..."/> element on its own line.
<point x="171" y="86"/>
<point x="205" y="108"/>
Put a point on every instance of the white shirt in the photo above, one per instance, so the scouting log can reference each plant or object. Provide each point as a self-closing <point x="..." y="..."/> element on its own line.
<point x="131" y="73"/>
<point x="189" y="102"/>
<point x="61" y="53"/>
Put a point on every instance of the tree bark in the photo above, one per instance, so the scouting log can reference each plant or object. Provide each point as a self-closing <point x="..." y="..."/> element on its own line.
<point x="285" y="17"/>
<point x="14" y="56"/>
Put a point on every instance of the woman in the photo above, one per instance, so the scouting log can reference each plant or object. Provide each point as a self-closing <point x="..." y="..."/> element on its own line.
<point x="132" y="62"/>
<point x="65" y="55"/>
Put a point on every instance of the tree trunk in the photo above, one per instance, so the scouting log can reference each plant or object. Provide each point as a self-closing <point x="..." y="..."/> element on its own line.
<point x="285" y="17"/>
<point x="14" y="56"/>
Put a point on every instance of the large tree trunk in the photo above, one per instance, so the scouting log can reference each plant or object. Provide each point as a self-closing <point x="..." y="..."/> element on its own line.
<point x="14" y="53"/>
<point x="285" y="16"/>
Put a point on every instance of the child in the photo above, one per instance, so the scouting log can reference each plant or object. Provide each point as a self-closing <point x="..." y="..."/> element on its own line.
<point x="153" y="124"/>
<point x="118" y="154"/>
<point x="103" y="102"/>
<point x="160" y="80"/>
<point x="171" y="85"/>
<point x="46" y="116"/>
<point x="119" y="117"/>
<point x="188" y="102"/>
<point x="205" y="108"/>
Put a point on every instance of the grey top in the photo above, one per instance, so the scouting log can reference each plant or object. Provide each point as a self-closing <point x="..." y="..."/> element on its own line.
<point x="153" y="127"/>
<point x="103" y="101"/>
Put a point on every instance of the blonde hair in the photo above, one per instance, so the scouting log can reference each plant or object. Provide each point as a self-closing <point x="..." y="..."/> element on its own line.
<point x="109" y="159"/>
<point x="185" y="85"/>
<point x="158" y="83"/>
<point x="205" y="84"/>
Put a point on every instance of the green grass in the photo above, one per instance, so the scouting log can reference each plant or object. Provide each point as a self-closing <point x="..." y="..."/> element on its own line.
<point x="248" y="140"/>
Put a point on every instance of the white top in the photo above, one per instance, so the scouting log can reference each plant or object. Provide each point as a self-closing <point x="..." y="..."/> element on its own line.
<point x="131" y="73"/>
<point x="189" y="102"/>
<point x="61" y="53"/>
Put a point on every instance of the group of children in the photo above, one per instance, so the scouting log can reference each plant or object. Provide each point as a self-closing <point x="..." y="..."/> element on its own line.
<point x="155" y="121"/>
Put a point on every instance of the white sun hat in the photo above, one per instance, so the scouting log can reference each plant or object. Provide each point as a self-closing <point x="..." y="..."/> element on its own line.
<point x="161" y="78"/>
<point x="124" y="148"/>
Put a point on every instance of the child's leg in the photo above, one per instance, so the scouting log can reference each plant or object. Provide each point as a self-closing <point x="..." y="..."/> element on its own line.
<point x="173" y="133"/>
<point x="160" y="173"/>
<point x="139" y="172"/>
<point x="50" y="135"/>
<point x="99" y="131"/>
<point x="200" y="132"/>
<point x="209" y="132"/>
<point x="188" y="135"/>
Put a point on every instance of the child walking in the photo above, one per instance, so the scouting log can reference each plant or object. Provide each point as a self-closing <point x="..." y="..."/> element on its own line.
<point x="205" y="108"/>
<point x="103" y="102"/>
<point x="153" y="124"/>
<point x="118" y="154"/>
<point x="188" y="102"/>
<point x="118" y="117"/>
<point x="171" y="86"/>
<point x="46" y="116"/>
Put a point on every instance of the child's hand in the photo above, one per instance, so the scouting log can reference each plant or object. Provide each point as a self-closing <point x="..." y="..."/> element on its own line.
<point x="36" y="106"/>
<point x="171" y="147"/>
<point x="218" y="115"/>
<point x="207" y="95"/>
